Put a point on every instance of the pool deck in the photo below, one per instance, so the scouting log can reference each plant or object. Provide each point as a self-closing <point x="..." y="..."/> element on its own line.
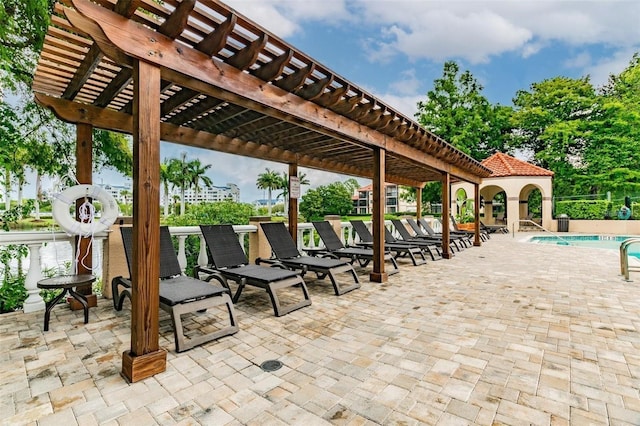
<point x="508" y="333"/>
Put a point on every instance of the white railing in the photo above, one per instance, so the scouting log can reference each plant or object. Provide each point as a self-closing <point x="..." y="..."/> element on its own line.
<point x="182" y="232"/>
<point x="35" y="240"/>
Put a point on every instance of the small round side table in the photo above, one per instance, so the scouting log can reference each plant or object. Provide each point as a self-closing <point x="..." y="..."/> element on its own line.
<point x="67" y="284"/>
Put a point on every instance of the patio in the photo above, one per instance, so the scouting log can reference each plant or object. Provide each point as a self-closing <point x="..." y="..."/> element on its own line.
<point x="507" y="333"/>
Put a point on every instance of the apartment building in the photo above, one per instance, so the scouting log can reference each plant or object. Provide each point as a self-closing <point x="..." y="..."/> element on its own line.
<point x="393" y="202"/>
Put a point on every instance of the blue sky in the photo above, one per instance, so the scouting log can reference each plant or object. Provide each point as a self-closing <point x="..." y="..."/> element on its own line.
<point x="395" y="49"/>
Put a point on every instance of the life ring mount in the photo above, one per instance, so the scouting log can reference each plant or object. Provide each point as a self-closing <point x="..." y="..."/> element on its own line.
<point x="67" y="221"/>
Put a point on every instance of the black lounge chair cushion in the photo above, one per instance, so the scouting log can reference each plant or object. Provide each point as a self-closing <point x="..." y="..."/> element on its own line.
<point x="259" y="273"/>
<point x="184" y="289"/>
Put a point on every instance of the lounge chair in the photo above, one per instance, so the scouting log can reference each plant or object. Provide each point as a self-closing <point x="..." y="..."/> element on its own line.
<point x="230" y="263"/>
<point x="179" y="294"/>
<point x="432" y="246"/>
<point x="286" y="253"/>
<point x="492" y="229"/>
<point x="465" y="239"/>
<point x="401" y="250"/>
<point x="333" y="245"/>
<point x="460" y="241"/>
<point x="405" y="235"/>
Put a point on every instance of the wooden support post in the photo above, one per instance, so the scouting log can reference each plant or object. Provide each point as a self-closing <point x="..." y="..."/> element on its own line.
<point x="145" y="358"/>
<point x="84" y="175"/>
<point x="446" y="203"/>
<point x="293" y="204"/>
<point x="378" y="274"/>
<point x="418" y="202"/>
<point x="476" y="208"/>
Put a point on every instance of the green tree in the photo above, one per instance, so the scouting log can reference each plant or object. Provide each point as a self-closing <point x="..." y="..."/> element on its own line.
<point x="352" y="185"/>
<point x="111" y="149"/>
<point x="551" y="122"/>
<point x="179" y="177"/>
<point x="284" y="185"/>
<point x="165" y="181"/>
<point x="23" y="25"/>
<point x="611" y="160"/>
<point x="457" y="111"/>
<point x="431" y="193"/>
<point x="334" y="198"/>
<point x="269" y="180"/>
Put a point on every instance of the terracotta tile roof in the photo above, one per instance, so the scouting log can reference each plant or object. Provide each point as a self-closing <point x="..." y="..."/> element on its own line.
<point x="505" y="165"/>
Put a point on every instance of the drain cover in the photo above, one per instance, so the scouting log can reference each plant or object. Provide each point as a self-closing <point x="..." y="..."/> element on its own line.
<point x="271" y="365"/>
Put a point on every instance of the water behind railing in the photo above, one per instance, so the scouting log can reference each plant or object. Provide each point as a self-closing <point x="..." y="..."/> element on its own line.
<point x="60" y="257"/>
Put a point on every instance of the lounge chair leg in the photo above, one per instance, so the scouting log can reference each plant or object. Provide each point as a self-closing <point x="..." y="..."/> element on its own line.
<point x="337" y="288"/>
<point x="177" y="310"/>
<point x="241" y="285"/>
<point x="413" y="257"/>
<point x="396" y="268"/>
<point x="293" y="282"/>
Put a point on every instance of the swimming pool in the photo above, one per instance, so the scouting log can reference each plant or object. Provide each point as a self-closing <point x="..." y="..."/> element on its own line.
<point x="611" y="242"/>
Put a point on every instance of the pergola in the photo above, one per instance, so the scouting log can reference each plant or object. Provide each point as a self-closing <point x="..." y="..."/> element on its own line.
<point x="199" y="74"/>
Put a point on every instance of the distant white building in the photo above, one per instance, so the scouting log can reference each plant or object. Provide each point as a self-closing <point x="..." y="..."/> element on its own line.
<point x="121" y="193"/>
<point x="231" y="192"/>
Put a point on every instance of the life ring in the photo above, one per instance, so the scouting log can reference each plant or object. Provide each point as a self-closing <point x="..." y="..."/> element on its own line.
<point x="624" y="213"/>
<point x="67" y="221"/>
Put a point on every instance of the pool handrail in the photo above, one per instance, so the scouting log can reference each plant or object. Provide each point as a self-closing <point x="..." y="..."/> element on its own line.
<point x="624" y="257"/>
<point x="528" y="221"/>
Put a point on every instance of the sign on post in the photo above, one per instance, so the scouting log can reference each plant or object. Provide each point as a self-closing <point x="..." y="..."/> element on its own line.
<point x="294" y="187"/>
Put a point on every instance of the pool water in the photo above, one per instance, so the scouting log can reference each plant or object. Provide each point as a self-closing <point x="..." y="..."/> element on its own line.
<point x="611" y="242"/>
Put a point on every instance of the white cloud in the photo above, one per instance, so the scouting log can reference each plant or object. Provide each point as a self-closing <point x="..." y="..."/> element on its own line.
<point x="478" y="30"/>
<point x="578" y="61"/>
<point x="286" y="17"/>
<point x="615" y="64"/>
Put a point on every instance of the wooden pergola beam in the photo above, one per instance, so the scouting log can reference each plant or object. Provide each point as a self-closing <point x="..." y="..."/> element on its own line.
<point x="73" y="112"/>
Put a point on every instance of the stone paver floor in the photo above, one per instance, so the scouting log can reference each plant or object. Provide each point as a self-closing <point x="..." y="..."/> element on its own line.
<point x="507" y="333"/>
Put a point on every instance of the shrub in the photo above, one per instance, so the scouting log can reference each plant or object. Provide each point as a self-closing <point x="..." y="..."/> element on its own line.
<point x="585" y="209"/>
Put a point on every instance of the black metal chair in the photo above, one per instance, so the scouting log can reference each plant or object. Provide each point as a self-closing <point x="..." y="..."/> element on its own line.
<point x="179" y="294"/>
<point x="401" y="249"/>
<point x="432" y="247"/>
<point x="333" y="245"/>
<point x="465" y="240"/>
<point x="230" y="263"/>
<point x="286" y="253"/>
<point x="460" y="241"/>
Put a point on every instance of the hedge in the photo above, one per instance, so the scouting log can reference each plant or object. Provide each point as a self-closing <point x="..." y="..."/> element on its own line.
<point x="592" y="209"/>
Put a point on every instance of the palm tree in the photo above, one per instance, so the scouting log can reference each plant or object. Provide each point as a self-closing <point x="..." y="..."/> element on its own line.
<point x="197" y="174"/>
<point x="165" y="180"/>
<point x="284" y="185"/>
<point x="179" y="177"/>
<point x="269" y="180"/>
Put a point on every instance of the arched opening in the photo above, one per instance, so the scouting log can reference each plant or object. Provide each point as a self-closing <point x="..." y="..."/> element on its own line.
<point x="531" y="206"/>
<point x="493" y="205"/>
